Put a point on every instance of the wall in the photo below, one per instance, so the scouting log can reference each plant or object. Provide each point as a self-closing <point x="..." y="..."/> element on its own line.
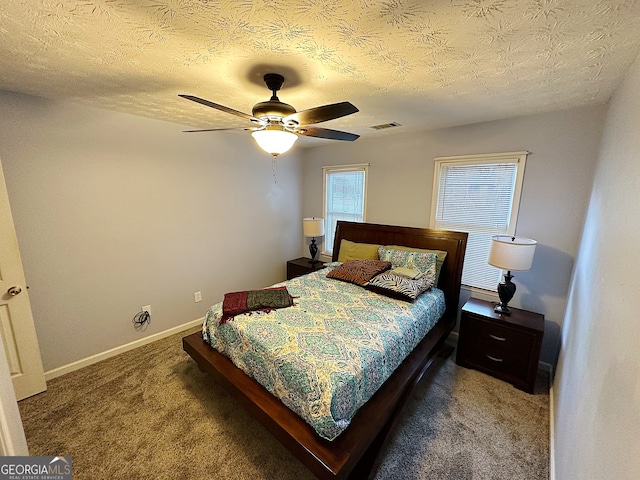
<point x="597" y="386"/>
<point x="114" y="212"/>
<point x="556" y="189"/>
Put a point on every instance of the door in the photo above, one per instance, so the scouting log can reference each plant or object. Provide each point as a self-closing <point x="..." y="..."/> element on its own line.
<point x="12" y="439"/>
<point x="16" y="321"/>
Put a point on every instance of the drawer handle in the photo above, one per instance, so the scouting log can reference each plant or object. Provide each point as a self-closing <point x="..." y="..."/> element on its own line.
<point x="494" y="359"/>
<point x="500" y="339"/>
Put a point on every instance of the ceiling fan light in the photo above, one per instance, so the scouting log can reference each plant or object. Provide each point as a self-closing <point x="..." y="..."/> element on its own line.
<point x="274" y="141"/>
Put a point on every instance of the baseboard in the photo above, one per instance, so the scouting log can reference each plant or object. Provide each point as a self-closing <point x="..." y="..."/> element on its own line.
<point x="56" y="372"/>
<point x="548" y="368"/>
<point x="552" y="458"/>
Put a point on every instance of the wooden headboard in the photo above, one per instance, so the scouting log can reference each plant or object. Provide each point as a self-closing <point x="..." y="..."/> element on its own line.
<point x="454" y="243"/>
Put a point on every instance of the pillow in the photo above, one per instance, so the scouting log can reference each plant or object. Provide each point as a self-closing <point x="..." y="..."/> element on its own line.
<point x="331" y="264"/>
<point x="354" y="251"/>
<point x="407" y="272"/>
<point x="358" y="271"/>
<point x="439" y="261"/>
<point x="420" y="261"/>
<point x="401" y="287"/>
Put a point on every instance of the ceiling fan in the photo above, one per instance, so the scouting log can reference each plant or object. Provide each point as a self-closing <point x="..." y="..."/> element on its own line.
<point x="277" y="125"/>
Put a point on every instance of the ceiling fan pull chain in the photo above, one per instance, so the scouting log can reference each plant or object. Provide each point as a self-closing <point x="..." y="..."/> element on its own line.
<point x="274" y="168"/>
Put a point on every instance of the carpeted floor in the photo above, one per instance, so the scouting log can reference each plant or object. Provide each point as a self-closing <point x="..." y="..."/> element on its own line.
<point x="151" y="414"/>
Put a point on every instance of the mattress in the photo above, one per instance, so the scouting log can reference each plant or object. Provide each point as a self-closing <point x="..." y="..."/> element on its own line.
<point x="327" y="355"/>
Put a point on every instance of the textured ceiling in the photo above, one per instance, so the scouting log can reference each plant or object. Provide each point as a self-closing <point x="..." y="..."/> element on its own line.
<point x="423" y="64"/>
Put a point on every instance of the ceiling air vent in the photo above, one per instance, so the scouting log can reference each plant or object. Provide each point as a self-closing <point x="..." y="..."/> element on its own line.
<point x="386" y="125"/>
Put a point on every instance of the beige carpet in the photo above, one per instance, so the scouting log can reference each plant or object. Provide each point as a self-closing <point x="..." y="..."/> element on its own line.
<point x="151" y="414"/>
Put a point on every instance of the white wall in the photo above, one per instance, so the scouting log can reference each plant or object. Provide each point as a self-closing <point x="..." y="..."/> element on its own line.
<point x="556" y="189"/>
<point x="597" y="386"/>
<point x="114" y="212"/>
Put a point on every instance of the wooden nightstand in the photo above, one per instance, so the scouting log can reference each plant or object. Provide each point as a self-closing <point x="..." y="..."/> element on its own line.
<point x="301" y="266"/>
<point x="505" y="347"/>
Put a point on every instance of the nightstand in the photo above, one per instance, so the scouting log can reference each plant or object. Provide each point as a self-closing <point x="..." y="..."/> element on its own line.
<point x="504" y="346"/>
<point x="302" y="266"/>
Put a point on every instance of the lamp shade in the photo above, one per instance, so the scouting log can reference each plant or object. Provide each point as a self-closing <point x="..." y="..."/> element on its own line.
<point x="313" y="227"/>
<point x="512" y="253"/>
<point x="274" y="139"/>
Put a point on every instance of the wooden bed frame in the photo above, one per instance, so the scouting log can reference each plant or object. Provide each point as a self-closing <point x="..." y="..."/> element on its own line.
<point x="356" y="452"/>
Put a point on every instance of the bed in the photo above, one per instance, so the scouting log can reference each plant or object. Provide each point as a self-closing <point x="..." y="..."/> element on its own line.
<point x="354" y="452"/>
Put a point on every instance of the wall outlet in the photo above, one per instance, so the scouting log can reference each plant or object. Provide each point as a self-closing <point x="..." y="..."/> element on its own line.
<point x="197" y="297"/>
<point x="146" y="308"/>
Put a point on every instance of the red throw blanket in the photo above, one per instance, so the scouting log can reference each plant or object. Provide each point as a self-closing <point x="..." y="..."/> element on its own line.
<point x="265" y="300"/>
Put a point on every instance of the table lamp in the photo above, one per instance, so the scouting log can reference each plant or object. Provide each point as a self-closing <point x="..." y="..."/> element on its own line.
<point x="510" y="253"/>
<point x="313" y="227"/>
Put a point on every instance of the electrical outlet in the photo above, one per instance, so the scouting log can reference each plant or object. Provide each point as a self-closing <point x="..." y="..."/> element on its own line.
<point x="197" y="297"/>
<point x="146" y="308"/>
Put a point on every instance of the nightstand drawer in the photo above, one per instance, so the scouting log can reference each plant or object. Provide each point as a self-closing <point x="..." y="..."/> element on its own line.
<point x="506" y="364"/>
<point x="506" y="347"/>
<point x="498" y="336"/>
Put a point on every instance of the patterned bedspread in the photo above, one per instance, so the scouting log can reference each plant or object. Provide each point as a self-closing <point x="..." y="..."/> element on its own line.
<point x="329" y="353"/>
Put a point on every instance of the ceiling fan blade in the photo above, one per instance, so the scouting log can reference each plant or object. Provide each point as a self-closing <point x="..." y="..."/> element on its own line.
<point x="327" y="133"/>
<point x="321" y="114"/>
<point x="222" y="108"/>
<point x="219" y="129"/>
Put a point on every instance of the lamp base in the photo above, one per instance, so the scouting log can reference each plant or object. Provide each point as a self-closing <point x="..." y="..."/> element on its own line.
<point x="313" y="250"/>
<point x="506" y="290"/>
<point x="502" y="309"/>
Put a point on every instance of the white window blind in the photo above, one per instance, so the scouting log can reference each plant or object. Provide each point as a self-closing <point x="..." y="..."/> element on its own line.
<point x="479" y="195"/>
<point x="344" y="198"/>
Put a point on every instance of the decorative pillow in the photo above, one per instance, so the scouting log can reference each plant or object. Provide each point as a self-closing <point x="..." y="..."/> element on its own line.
<point x="356" y="251"/>
<point x="421" y="261"/>
<point x="407" y="272"/>
<point x="358" y="271"/>
<point x="439" y="261"/>
<point x="401" y="287"/>
<point x="332" y="264"/>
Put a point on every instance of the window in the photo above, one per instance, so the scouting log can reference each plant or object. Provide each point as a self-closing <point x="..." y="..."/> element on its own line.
<point x="478" y="194"/>
<point x="345" y="190"/>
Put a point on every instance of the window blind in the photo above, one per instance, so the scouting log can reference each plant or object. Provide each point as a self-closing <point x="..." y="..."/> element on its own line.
<point x="344" y="199"/>
<point x="477" y="197"/>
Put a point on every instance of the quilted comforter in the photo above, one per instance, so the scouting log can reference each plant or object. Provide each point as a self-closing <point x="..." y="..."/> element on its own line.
<point x="327" y="355"/>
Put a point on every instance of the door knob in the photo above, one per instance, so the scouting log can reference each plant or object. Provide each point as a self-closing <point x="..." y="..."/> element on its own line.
<point x="15" y="290"/>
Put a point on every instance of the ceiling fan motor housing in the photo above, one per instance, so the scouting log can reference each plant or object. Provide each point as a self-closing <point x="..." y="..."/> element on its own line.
<point x="273" y="109"/>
